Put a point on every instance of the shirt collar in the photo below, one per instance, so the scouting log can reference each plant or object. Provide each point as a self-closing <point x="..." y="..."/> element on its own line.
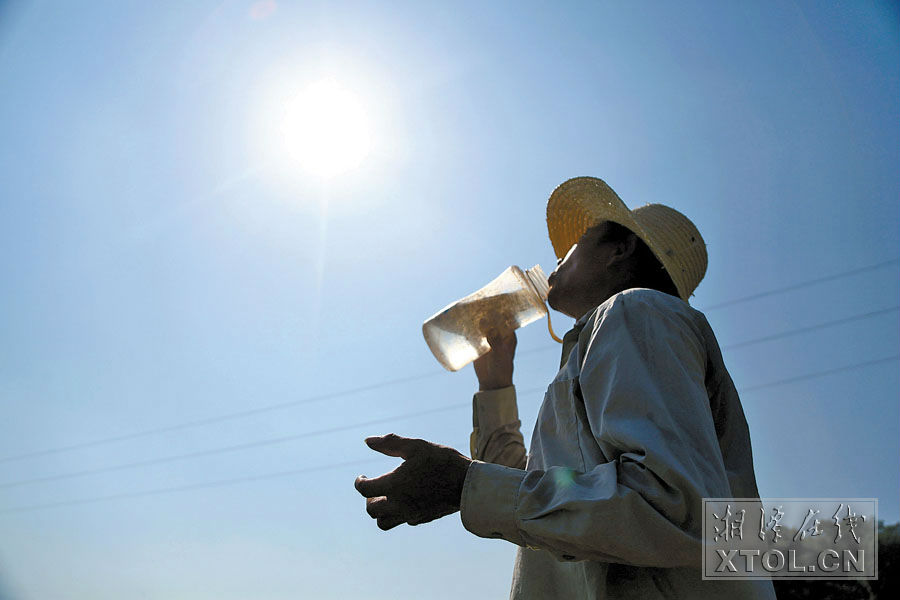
<point x="570" y="340"/>
<point x="580" y="323"/>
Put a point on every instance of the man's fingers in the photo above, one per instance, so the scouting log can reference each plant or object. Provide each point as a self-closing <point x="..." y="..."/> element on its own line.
<point x="490" y="326"/>
<point x="377" y="506"/>
<point x="372" y="488"/>
<point x="503" y="343"/>
<point x="420" y="519"/>
<point x="394" y="445"/>
<point x="386" y="523"/>
<point x="389" y="513"/>
<point x="382" y="507"/>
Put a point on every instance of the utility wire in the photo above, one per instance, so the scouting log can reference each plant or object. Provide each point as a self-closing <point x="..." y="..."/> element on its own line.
<point x="852" y="367"/>
<point x="195" y="486"/>
<point x="245" y="446"/>
<point x="278" y="440"/>
<point x="800" y="285"/>
<point x="799" y="330"/>
<point x="219" y="418"/>
<point x="776" y="336"/>
<point x="398" y="381"/>
<point x="234" y="448"/>
<point x="224" y="482"/>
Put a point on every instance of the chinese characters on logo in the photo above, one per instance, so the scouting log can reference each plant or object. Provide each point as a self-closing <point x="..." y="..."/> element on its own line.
<point x="792" y="538"/>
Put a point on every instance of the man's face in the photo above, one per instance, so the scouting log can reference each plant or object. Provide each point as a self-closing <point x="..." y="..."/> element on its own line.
<point x="582" y="274"/>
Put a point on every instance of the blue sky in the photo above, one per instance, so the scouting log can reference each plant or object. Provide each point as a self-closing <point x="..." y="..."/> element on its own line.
<point x="165" y="262"/>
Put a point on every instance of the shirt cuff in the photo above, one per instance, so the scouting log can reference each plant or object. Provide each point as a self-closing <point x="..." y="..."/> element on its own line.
<point x="490" y="497"/>
<point x="495" y="408"/>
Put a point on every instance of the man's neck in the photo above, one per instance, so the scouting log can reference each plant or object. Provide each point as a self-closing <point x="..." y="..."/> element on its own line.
<point x="589" y="306"/>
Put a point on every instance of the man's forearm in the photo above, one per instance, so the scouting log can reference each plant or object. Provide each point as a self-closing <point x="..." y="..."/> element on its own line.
<point x="496" y="435"/>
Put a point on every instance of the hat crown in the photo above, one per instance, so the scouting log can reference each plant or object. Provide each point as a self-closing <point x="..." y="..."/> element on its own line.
<point x="676" y="242"/>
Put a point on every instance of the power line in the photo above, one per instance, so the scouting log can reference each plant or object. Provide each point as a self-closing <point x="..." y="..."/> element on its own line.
<point x="234" y="448"/>
<point x="799" y="330"/>
<point x="800" y="285"/>
<point x="225" y="482"/>
<point x="218" y="418"/>
<point x="184" y="488"/>
<point x="776" y="336"/>
<point x="852" y="367"/>
<point x="307" y="434"/>
<point x="402" y="380"/>
<point x="245" y="446"/>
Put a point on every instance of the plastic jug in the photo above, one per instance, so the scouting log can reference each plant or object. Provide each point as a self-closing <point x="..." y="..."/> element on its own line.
<point x="516" y="298"/>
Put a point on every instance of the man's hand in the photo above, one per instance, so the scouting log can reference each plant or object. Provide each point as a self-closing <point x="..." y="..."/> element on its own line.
<point x="427" y="486"/>
<point x="495" y="369"/>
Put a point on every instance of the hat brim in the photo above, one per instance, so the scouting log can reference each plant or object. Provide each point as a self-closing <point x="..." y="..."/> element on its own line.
<point x="583" y="202"/>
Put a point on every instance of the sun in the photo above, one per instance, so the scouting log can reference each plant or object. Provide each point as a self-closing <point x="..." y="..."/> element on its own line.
<point x="326" y="129"/>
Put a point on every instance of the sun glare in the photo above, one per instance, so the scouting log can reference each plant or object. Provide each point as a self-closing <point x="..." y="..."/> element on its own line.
<point x="326" y="129"/>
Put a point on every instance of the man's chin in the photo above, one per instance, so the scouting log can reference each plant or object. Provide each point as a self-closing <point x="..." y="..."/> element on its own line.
<point x="551" y="298"/>
<point x="553" y="301"/>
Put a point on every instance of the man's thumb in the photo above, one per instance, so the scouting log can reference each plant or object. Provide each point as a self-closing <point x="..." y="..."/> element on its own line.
<point x="391" y="444"/>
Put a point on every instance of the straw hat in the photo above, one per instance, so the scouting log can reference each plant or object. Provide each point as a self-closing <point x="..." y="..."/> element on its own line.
<point x="580" y="203"/>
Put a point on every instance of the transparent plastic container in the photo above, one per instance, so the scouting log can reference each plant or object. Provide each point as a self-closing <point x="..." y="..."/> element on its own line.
<point x="457" y="334"/>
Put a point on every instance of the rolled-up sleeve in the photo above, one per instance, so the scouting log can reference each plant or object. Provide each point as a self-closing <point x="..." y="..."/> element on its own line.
<point x="647" y="410"/>
<point x="496" y="428"/>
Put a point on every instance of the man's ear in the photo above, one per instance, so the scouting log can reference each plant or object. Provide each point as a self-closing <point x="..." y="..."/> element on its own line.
<point x="624" y="249"/>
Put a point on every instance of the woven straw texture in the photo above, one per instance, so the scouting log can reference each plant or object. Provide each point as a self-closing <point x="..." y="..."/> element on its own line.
<point x="580" y="203"/>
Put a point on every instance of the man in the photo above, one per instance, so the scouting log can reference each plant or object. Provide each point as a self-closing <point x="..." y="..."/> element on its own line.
<point x="641" y="422"/>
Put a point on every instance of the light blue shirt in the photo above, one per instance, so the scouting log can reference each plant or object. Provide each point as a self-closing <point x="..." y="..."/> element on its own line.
<point x="641" y="422"/>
